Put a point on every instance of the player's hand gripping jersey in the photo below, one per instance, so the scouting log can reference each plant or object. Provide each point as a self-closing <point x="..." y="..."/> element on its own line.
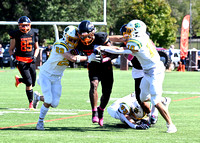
<point x="56" y="63"/>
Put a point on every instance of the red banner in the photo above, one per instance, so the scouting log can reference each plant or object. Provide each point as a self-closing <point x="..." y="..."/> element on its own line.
<point x="184" y="36"/>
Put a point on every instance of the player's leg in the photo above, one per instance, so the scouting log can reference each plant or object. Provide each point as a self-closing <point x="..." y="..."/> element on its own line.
<point x="93" y="74"/>
<point x="56" y="92"/>
<point x="45" y="84"/>
<point x="156" y="92"/>
<point x="27" y="79"/>
<point x="19" y="80"/>
<point x="107" y="84"/>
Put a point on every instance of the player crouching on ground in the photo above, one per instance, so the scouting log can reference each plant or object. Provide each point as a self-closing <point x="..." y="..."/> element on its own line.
<point x="128" y="111"/>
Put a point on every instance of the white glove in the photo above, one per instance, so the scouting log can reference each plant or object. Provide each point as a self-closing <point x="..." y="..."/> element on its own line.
<point x="94" y="58"/>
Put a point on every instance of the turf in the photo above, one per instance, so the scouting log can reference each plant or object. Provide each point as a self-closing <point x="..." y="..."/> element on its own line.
<point x="71" y="120"/>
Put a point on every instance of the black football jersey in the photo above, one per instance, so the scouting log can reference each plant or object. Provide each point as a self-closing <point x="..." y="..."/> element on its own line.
<point x="101" y="38"/>
<point x="24" y="42"/>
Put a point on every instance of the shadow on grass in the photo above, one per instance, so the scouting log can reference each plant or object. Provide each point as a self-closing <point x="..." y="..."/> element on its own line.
<point x="106" y="127"/>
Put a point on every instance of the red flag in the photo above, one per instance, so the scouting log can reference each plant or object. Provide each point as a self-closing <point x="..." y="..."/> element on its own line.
<point x="184" y="36"/>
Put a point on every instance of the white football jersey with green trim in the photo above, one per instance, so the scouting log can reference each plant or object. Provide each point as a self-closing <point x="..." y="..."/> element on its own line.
<point x="56" y="63"/>
<point x="147" y="54"/>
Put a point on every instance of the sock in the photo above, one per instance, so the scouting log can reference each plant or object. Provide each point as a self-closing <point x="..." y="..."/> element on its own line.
<point x="101" y="108"/>
<point x="43" y="112"/>
<point x="154" y="111"/>
<point x="29" y="94"/>
<point x="95" y="109"/>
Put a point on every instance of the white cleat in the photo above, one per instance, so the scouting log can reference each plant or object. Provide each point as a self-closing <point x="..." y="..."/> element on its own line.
<point x="40" y="126"/>
<point x="166" y="101"/>
<point x="171" y="128"/>
<point x="36" y="101"/>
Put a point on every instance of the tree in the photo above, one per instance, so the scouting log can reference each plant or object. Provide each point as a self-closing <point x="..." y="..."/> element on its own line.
<point x="157" y="16"/>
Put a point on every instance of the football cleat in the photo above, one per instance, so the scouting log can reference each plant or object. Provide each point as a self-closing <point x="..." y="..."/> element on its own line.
<point x="100" y="115"/>
<point x="40" y="126"/>
<point x="31" y="105"/>
<point x="36" y="101"/>
<point x="17" y="81"/>
<point x="153" y="119"/>
<point x="166" y="102"/>
<point x="95" y="118"/>
<point x="171" y="128"/>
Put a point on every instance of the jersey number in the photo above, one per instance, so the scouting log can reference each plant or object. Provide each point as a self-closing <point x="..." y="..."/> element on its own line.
<point x="26" y="45"/>
<point x="151" y="47"/>
<point x="65" y="61"/>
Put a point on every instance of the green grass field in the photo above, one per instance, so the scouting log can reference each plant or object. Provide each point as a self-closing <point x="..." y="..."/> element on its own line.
<point x="71" y="122"/>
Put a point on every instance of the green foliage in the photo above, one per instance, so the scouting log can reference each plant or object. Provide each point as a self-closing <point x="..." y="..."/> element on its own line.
<point x="157" y="14"/>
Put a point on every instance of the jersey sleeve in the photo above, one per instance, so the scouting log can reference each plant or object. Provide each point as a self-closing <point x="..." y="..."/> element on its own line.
<point x="36" y="31"/>
<point x="60" y="47"/>
<point x="134" y="44"/>
<point x="12" y="34"/>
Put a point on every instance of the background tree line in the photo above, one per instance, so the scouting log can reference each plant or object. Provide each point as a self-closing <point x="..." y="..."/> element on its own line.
<point x="163" y="17"/>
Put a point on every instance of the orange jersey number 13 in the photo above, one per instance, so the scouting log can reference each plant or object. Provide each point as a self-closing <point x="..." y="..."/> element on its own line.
<point x="26" y="45"/>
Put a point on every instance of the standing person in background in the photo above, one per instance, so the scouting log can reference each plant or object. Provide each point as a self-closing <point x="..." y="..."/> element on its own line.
<point x="1" y="56"/>
<point x="25" y="43"/>
<point x="97" y="72"/>
<point x="48" y="51"/>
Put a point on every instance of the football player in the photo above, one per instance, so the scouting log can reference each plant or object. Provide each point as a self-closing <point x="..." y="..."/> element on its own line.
<point x="23" y="51"/>
<point x="141" y="46"/>
<point x="52" y="70"/>
<point x="97" y="72"/>
<point x="129" y="111"/>
<point x="137" y="74"/>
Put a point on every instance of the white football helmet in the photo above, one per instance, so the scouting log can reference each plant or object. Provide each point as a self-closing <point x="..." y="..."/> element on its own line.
<point x="70" y="36"/>
<point x="136" y="28"/>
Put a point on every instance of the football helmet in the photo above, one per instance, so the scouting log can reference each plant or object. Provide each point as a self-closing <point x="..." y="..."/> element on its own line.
<point x="70" y="36"/>
<point x="136" y="28"/>
<point x="24" y="24"/>
<point x="86" y="32"/>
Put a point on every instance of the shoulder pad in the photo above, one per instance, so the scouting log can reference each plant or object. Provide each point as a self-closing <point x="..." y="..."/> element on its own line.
<point x="35" y="30"/>
<point x="133" y="43"/>
<point x="61" y="44"/>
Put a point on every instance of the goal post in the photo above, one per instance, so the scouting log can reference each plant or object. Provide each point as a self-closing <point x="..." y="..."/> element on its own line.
<point x="55" y="23"/>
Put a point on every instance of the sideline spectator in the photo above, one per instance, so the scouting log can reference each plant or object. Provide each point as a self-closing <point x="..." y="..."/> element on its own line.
<point x="1" y="56"/>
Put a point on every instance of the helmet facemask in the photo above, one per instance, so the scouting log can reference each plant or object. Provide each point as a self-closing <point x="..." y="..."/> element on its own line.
<point x="86" y="38"/>
<point x="24" y="24"/>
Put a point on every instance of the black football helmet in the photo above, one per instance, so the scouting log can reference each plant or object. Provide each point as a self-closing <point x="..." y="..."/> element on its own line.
<point x="86" y="32"/>
<point x="123" y="29"/>
<point x="24" y="24"/>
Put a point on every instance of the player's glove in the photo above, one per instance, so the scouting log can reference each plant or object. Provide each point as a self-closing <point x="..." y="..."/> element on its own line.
<point x="94" y="58"/>
<point x="142" y="126"/>
<point x="14" y="59"/>
<point x="34" y="60"/>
